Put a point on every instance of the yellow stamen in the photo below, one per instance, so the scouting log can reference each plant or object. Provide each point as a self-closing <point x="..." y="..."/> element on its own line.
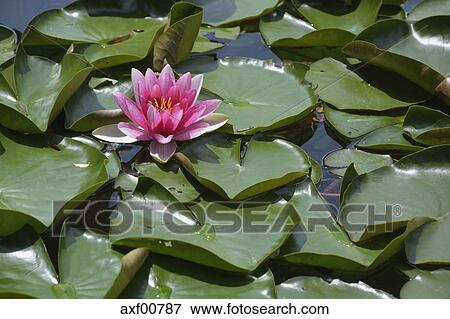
<point x="162" y="105"/>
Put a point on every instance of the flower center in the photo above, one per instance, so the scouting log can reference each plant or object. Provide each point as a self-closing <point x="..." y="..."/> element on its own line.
<point x="162" y="104"/>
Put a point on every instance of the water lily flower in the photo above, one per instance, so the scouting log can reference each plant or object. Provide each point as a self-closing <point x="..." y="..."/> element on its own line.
<point x="165" y="111"/>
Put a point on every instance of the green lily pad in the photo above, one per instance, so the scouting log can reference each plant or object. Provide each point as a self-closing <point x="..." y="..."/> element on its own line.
<point x="320" y="241"/>
<point x="163" y="277"/>
<point x="432" y="285"/>
<point x="153" y="218"/>
<point x="41" y="176"/>
<point x="415" y="186"/>
<point x="415" y="51"/>
<point x="304" y="287"/>
<point x="88" y="267"/>
<point x="236" y="169"/>
<point x="92" y="35"/>
<point x="250" y="86"/>
<point x="204" y="44"/>
<point x="388" y="11"/>
<point x="352" y="125"/>
<point x="353" y="19"/>
<point x="428" y="244"/>
<point x="427" y="126"/>
<point x="365" y="88"/>
<point x="430" y="8"/>
<point x="30" y="108"/>
<point x="172" y="177"/>
<point x="33" y="276"/>
<point x="363" y="162"/>
<point x="388" y="139"/>
<point x="284" y="30"/>
<point x="316" y="171"/>
<point x="230" y="13"/>
<point x="177" y="40"/>
<point x="7" y="44"/>
<point x="92" y="107"/>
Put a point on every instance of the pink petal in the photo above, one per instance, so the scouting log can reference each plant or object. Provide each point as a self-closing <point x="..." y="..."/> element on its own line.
<point x="136" y="115"/>
<point x="162" y="152"/>
<point x="122" y="101"/>
<point x="133" y="131"/>
<point x="110" y="133"/>
<point x="130" y="109"/>
<point x="184" y="83"/>
<point x="174" y="94"/>
<point x="176" y="115"/>
<point x="156" y="92"/>
<point x="209" y="124"/>
<point x="153" y="118"/>
<point x="137" y="79"/>
<point x="166" y="79"/>
<point x="162" y="139"/>
<point x="197" y="82"/>
<point x="150" y="79"/>
<point x="200" y="111"/>
<point x="191" y="98"/>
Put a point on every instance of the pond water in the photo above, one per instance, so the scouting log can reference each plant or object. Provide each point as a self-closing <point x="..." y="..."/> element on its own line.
<point x="18" y="13"/>
<point x="247" y="45"/>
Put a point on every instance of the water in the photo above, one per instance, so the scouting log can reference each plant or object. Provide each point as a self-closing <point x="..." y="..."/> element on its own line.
<point x="18" y="13"/>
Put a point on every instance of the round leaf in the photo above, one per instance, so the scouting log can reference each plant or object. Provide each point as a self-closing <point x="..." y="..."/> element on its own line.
<point x="42" y="176"/>
<point x="236" y="169"/>
<point x="228" y="13"/>
<point x="427" y="126"/>
<point x="364" y="88"/>
<point x="249" y="86"/>
<point x="304" y="287"/>
<point x="169" y="278"/>
<point x="415" y="186"/>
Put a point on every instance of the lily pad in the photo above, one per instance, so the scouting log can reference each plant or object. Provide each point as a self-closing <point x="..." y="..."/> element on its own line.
<point x="163" y="277"/>
<point x="250" y="86"/>
<point x="430" y="8"/>
<point x="88" y="267"/>
<point x="8" y="45"/>
<point x="53" y="171"/>
<point x="320" y="241"/>
<point x="388" y="139"/>
<point x="153" y="218"/>
<point x="94" y="106"/>
<point x="284" y="30"/>
<point x="30" y="108"/>
<point x="353" y="125"/>
<point x="177" y="40"/>
<point x="427" y="244"/>
<point x="237" y="169"/>
<point x="361" y="87"/>
<point x="363" y="162"/>
<point x="388" y="11"/>
<point x="389" y="197"/>
<point x="230" y="13"/>
<point x="351" y="19"/>
<point x="427" y="126"/>
<point x="92" y="35"/>
<point x="204" y="44"/>
<point x="304" y="287"/>
<point x="413" y="50"/>
<point x="432" y="285"/>
<point x="172" y="177"/>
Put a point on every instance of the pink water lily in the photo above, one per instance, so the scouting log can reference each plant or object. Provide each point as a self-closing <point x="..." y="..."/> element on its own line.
<point x="165" y="111"/>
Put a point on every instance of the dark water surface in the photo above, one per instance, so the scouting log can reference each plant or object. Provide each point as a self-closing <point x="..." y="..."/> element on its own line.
<point x="18" y="13"/>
